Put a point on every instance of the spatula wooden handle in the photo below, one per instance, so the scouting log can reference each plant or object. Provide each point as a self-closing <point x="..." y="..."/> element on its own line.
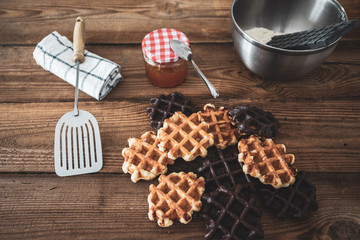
<point x="79" y="40"/>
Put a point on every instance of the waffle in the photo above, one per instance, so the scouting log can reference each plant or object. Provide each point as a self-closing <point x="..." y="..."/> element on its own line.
<point x="221" y="167"/>
<point x="252" y="120"/>
<point x="220" y="125"/>
<point x="185" y="137"/>
<point x="267" y="161"/>
<point x="183" y="166"/>
<point x="231" y="214"/>
<point x="143" y="159"/>
<point x="175" y="198"/>
<point x="296" y="201"/>
<point x="164" y="107"/>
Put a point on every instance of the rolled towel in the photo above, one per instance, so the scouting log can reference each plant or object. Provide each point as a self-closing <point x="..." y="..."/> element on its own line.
<point x="97" y="77"/>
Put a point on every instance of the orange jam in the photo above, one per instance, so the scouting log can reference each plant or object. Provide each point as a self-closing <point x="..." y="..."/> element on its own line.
<point x="168" y="74"/>
<point x="163" y="67"/>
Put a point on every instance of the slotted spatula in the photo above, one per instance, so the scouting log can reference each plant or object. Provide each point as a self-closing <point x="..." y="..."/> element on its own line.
<point x="77" y="148"/>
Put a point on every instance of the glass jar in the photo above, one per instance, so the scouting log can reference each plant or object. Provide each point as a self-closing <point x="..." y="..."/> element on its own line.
<point x="163" y="67"/>
<point x="166" y="74"/>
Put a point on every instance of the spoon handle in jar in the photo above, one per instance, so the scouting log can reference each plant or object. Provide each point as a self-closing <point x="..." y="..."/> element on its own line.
<point x="214" y="92"/>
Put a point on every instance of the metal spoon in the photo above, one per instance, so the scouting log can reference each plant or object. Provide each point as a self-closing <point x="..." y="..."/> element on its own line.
<point x="184" y="52"/>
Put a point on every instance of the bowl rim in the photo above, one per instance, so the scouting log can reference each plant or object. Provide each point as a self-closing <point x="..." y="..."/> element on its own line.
<point x="268" y="47"/>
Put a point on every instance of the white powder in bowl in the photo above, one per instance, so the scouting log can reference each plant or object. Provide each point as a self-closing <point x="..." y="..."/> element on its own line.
<point x="261" y="35"/>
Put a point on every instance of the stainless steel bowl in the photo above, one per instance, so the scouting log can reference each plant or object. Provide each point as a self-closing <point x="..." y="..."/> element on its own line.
<point x="283" y="16"/>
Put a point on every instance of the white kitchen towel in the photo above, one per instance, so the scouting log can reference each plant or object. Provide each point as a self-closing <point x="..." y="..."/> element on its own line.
<point x="97" y="77"/>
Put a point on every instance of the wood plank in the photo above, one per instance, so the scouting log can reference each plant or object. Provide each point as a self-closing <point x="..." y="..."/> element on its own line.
<point x="319" y="114"/>
<point x="125" y="21"/>
<point x="110" y="206"/>
<point x="324" y="135"/>
<point x="339" y="77"/>
<point x="121" y="22"/>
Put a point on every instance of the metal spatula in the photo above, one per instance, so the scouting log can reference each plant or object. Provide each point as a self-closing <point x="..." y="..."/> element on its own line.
<point x="77" y="147"/>
<point x="314" y="38"/>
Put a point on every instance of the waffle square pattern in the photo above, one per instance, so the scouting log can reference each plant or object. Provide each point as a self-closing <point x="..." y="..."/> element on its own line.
<point x="296" y="201"/>
<point x="222" y="168"/>
<point x="220" y="125"/>
<point x="164" y="107"/>
<point x="175" y="198"/>
<point x="143" y="159"/>
<point x="231" y="214"/>
<point x="185" y="137"/>
<point x="252" y="120"/>
<point x="266" y="161"/>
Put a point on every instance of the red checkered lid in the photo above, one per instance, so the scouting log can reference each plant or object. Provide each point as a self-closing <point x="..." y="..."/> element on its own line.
<point x="156" y="45"/>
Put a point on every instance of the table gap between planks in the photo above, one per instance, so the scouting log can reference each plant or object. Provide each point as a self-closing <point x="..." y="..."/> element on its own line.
<point x="319" y="113"/>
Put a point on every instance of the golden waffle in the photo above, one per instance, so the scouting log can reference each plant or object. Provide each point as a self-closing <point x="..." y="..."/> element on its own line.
<point x="185" y="137"/>
<point x="220" y="125"/>
<point x="267" y="161"/>
<point x="175" y="198"/>
<point x="143" y="159"/>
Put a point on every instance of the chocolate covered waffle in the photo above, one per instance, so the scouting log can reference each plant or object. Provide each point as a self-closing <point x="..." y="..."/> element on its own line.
<point x="252" y="120"/>
<point x="231" y="213"/>
<point x="266" y="161"/>
<point x="164" y="107"/>
<point x="175" y="198"/>
<point x="220" y="125"/>
<point x="185" y="137"/>
<point x="295" y="201"/>
<point x="143" y="159"/>
<point x="222" y="168"/>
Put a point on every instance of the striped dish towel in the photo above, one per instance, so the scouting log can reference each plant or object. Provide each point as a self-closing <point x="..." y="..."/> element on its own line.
<point x="97" y="76"/>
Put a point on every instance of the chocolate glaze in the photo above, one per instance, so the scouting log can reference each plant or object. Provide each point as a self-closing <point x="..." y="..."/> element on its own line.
<point x="231" y="213"/>
<point x="164" y="107"/>
<point x="252" y="120"/>
<point x="296" y="201"/>
<point x="221" y="167"/>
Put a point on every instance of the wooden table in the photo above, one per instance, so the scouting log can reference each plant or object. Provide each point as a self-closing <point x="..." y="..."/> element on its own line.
<point x="320" y="116"/>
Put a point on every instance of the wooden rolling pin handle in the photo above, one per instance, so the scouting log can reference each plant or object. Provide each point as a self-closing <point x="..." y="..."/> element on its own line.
<point x="79" y="40"/>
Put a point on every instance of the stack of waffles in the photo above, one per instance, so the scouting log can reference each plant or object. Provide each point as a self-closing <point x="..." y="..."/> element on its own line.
<point x="238" y="162"/>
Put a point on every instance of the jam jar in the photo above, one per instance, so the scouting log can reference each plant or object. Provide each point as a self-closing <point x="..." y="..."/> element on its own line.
<point x="163" y="67"/>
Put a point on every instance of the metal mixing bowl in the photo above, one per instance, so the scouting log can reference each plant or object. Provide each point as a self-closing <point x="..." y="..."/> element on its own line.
<point x="283" y="16"/>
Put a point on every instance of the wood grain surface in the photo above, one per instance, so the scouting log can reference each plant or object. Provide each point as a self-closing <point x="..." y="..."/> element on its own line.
<point x="338" y="77"/>
<point x="110" y="206"/>
<point x="307" y="130"/>
<point x="125" y="21"/>
<point x="319" y="113"/>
